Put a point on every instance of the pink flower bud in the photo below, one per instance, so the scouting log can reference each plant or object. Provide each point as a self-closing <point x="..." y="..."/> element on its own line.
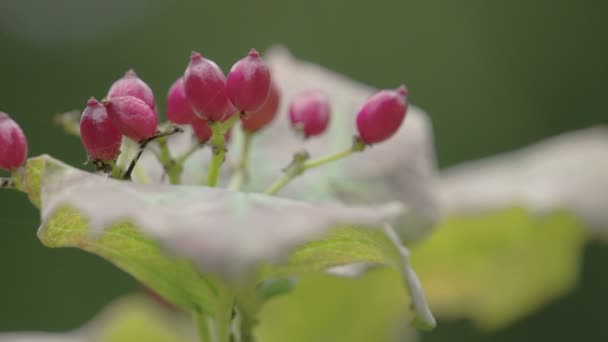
<point x="255" y="121"/>
<point x="13" y="145"/>
<point x="101" y="139"/>
<point x="248" y="83"/>
<point x="132" y="116"/>
<point x="309" y="113"/>
<point x="131" y="85"/>
<point x="179" y="110"/>
<point x="205" y="87"/>
<point x="203" y="131"/>
<point x="382" y="115"/>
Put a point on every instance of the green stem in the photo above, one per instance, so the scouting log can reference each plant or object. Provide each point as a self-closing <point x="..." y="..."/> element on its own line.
<point x="116" y="170"/>
<point x="241" y="172"/>
<point x="218" y="145"/>
<point x="301" y="163"/>
<point x="206" y="328"/>
<point x="174" y="167"/>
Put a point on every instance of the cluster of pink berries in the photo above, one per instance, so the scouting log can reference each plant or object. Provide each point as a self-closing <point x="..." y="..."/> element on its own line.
<point x="202" y="96"/>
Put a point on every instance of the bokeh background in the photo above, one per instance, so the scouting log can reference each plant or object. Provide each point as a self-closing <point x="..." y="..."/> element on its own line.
<point x="494" y="76"/>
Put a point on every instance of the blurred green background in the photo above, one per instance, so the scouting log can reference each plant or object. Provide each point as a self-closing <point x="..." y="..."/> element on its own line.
<point x="494" y="76"/>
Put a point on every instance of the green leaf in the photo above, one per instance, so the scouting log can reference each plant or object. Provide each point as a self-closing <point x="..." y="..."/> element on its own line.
<point x="326" y="308"/>
<point x="127" y="319"/>
<point x="195" y="245"/>
<point x="498" y="267"/>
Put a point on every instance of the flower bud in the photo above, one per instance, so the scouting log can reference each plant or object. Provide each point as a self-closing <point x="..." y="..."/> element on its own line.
<point x="203" y="131"/>
<point x="179" y="110"/>
<point x="101" y="139"/>
<point x="13" y="144"/>
<point x="309" y="113"/>
<point x="132" y="116"/>
<point x="131" y="85"/>
<point x="257" y="120"/>
<point x="382" y="115"/>
<point x="248" y="83"/>
<point x="205" y="87"/>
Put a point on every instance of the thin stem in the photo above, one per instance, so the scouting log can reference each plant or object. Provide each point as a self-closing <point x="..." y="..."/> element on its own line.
<point x="174" y="168"/>
<point x="206" y="328"/>
<point x="301" y="163"/>
<point x="242" y="170"/>
<point x="143" y="144"/>
<point x="328" y="159"/>
<point x="218" y="145"/>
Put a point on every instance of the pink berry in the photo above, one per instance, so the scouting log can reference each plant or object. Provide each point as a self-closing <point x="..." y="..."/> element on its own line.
<point x="248" y="83"/>
<point x="205" y="87"/>
<point x="257" y="120"/>
<point x="179" y="110"/>
<point x="13" y="144"/>
<point x="132" y="116"/>
<point x="309" y="113"/>
<point x="202" y="130"/>
<point x="382" y="115"/>
<point x="101" y="139"/>
<point x="131" y="85"/>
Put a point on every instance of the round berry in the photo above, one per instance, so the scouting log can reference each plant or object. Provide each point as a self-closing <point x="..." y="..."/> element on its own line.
<point x="131" y="85"/>
<point x="257" y="120"/>
<point x="201" y="129"/>
<point x="248" y="83"/>
<point x="132" y="116"/>
<point x="13" y="144"/>
<point x="382" y="115"/>
<point x="179" y="110"/>
<point x="309" y="113"/>
<point x="101" y="139"/>
<point x="205" y="87"/>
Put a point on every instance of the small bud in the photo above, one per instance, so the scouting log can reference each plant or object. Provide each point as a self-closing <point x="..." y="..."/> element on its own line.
<point x="179" y="110"/>
<point x="203" y="131"/>
<point x="382" y="115"/>
<point x="131" y="85"/>
<point x="132" y="116"/>
<point x="248" y="83"/>
<point x="13" y="144"/>
<point x="309" y="113"/>
<point x="101" y="139"/>
<point x="255" y="121"/>
<point x="205" y="88"/>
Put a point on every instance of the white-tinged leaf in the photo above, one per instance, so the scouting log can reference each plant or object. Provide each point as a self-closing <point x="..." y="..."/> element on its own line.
<point x="565" y="173"/>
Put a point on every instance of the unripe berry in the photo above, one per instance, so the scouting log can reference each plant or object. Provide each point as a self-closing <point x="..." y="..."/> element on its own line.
<point x="13" y="145"/>
<point x="382" y="115"/>
<point x="101" y="139"/>
<point x="179" y="110"/>
<point x="309" y="113"/>
<point x="257" y="120"/>
<point x="132" y="116"/>
<point x="248" y="83"/>
<point x="205" y="87"/>
<point x="131" y="85"/>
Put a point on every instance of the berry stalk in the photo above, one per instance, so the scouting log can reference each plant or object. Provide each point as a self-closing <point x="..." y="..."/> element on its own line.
<point x="301" y="163"/>
<point x="142" y="146"/>
<point x="218" y="145"/>
<point x="240" y="174"/>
